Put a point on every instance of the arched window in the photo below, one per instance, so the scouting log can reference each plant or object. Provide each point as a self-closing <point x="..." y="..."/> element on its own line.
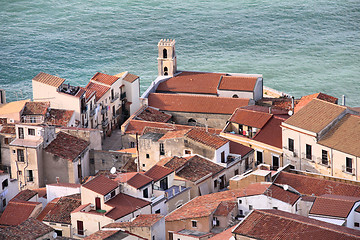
<point x="235" y="96"/>
<point x="164" y="53"/>
<point x="166" y="71"/>
<point x="192" y="122"/>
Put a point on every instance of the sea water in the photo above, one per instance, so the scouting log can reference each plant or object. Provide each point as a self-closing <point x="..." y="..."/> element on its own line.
<point x="300" y="47"/>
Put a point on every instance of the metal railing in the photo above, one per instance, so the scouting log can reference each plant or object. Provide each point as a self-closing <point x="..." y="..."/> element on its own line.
<point x="116" y="96"/>
<point x="348" y="170"/>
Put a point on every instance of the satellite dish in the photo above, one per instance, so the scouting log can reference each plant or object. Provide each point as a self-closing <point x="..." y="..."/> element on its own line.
<point x="54" y="235"/>
<point x="286" y="187"/>
<point x="113" y="170"/>
<point x="290" y="113"/>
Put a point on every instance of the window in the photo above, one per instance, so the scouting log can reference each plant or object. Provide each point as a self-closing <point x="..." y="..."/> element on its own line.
<point x="145" y="193"/>
<point x="308" y="151"/>
<point x="164" y="183"/>
<point x="113" y="110"/>
<point x="356" y="224"/>
<point x="29" y="175"/>
<point x="157" y="211"/>
<point x="324" y="157"/>
<point x="20" y="155"/>
<point x="291" y="144"/>
<point x="241" y="213"/>
<point x="164" y="53"/>
<point x="241" y="130"/>
<point x="275" y="161"/>
<point x="112" y="194"/>
<point x="5" y="183"/>
<point x="58" y="233"/>
<point x="259" y="157"/>
<point x="194" y="224"/>
<point x="21" y="132"/>
<point x="187" y="151"/>
<point x="166" y="71"/>
<point x="80" y="228"/>
<point x="236" y="172"/>
<point x="143" y="164"/>
<point x="162" y="150"/>
<point x="235" y="96"/>
<point x="250" y="207"/>
<point x="349" y="165"/>
<point x="19" y="173"/>
<point x="240" y="201"/>
<point x="6" y="140"/>
<point x="4" y="202"/>
<point x="147" y="155"/>
<point x="132" y="144"/>
<point x="216" y="222"/>
<point x="223" y="157"/>
<point x="275" y="208"/>
<point x="215" y="183"/>
<point x="31" y="131"/>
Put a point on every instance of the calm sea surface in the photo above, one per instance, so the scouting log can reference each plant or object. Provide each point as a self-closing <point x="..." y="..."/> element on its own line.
<point x="300" y="47"/>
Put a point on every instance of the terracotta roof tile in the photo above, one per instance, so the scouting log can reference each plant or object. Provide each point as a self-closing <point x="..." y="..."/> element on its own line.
<point x="306" y="99"/>
<point x="279" y="193"/>
<point x="104" y="78"/>
<point x="250" y="118"/>
<point x="59" y="117"/>
<point x="158" y="172"/>
<point x="273" y="109"/>
<point x="153" y="115"/>
<point x="123" y="205"/>
<point x="317" y="186"/>
<point x="12" y="107"/>
<point x="227" y="234"/>
<point x="8" y="129"/>
<point x="271" y="133"/>
<point x="139" y="180"/>
<point x="49" y="79"/>
<point x="101" y="185"/>
<point x="67" y="146"/>
<point x="225" y="208"/>
<point x="174" y="134"/>
<point x="333" y="205"/>
<point x="237" y="83"/>
<point x="191" y="82"/>
<point x="60" y="213"/>
<point x="99" y="90"/>
<point x="25" y="195"/>
<point x="17" y="211"/>
<point x="205" y="205"/>
<point x="195" y="103"/>
<point x="36" y="108"/>
<point x="238" y="148"/>
<point x="275" y="224"/>
<point x="47" y="209"/>
<point x="130" y="77"/>
<point x="124" y="177"/>
<point x="29" y="229"/>
<point x="173" y="162"/>
<point x="196" y="167"/>
<point x="143" y="220"/>
<point x="41" y="192"/>
<point x="316" y="115"/>
<point x="344" y="136"/>
<point x="211" y="140"/>
<point x="101" y="234"/>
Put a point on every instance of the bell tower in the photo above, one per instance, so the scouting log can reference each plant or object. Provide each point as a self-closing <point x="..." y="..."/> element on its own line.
<point x="166" y="57"/>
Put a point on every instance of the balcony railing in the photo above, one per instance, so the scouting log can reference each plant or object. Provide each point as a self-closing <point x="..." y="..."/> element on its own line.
<point x="348" y="170"/>
<point x="123" y="95"/>
<point x="116" y="96"/>
<point x="308" y="157"/>
<point x="105" y="123"/>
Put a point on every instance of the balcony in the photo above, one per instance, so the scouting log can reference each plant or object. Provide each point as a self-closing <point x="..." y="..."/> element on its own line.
<point x="92" y="112"/>
<point x="322" y="161"/>
<point x="348" y="170"/>
<point x="123" y="95"/>
<point x="310" y="158"/>
<point x="116" y="96"/>
<point x="105" y="123"/>
<point x="104" y="110"/>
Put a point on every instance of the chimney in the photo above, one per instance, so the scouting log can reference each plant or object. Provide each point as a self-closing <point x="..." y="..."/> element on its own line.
<point x="57" y="179"/>
<point x="343" y="100"/>
<point x="269" y="110"/>
<point x="292" y="104"/>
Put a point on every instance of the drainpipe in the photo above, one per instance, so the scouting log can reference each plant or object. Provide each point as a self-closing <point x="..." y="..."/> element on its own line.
<point x="332" y="163"/>
<point x="27" y="164"/>
<point x="300" y="151"/>
<point x="356" y="174"/>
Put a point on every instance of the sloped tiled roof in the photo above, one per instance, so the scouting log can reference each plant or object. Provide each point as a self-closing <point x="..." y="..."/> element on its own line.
<point x="225" y="208"/>
<point x="49" y="79"/>
<point x="104" y="78"/>
<point x="275" y="224"/>
<point x="60" y="213"/>
<point x="344" y="136"/>
<point x="101" y="184"/>
<point x="67" y="146"/>
<point x="25" y="195"/>
<point x="130" y="77"/>
<point x="143" y="220"/>
<point x="317" y="186"/>
<point x="227" y="234"/>
<point x="271" y="133"/>
<point x="124" y="204"/>
<point x="102" y="235"/>
<point x="306" y="99"/>
<point x="333" y="205"/>
<point x="139" y="180"/>
<point x="208" y="139"/>
<point x="36" y="108"/>
<point x="250" y="118"/>
<point x="17" y="211"/>
<point x="174" y="134"/>
<point x="316" y="115"/>
<point x="195" y="103"/>
<point x="237" y="83"/>
<point x="191" y="82"/>
<point x="153" y="115"/>
<point x="8" y="129"/>
<point x="279" y="193"/>
<point x="174" y="162"/>
<point x="238" y="148"/>
<point x="28" y="230"/>
<point x="205" y="205"/>
<point x="59" y="117"/>
<point x="99" y="90"/>
<point x="47" y="209"/>
<point x="12" y="107"/>
<point x="158" y="172"/>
